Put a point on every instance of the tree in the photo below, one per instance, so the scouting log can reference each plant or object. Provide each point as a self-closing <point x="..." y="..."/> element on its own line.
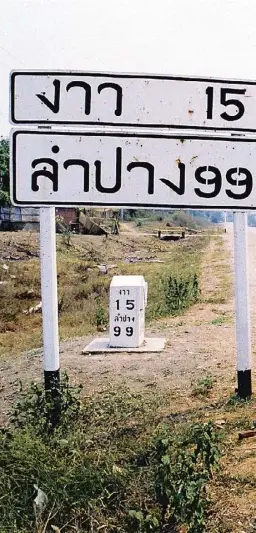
<point x="4" y="173"/>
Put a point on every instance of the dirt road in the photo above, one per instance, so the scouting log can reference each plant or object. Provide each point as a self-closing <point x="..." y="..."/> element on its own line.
<point x="199" y="343"/>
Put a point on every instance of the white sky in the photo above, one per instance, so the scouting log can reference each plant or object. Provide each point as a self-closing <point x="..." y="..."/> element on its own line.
<point x="193" y="37"/>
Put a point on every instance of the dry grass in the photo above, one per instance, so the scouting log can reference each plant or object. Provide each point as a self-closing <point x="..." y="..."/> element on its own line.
<point x="218" y="282"/>
<point x="82" y="287"/>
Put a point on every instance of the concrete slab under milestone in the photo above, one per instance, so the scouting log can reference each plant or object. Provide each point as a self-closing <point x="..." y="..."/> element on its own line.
<point x="101" y="345"/>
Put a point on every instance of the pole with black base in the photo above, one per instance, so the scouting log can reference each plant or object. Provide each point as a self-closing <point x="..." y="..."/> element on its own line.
<point x="50" y="306"/>
<point x="243" y="329"/>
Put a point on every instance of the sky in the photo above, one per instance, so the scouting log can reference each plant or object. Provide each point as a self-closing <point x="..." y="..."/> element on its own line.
<point x="176" y="37"/>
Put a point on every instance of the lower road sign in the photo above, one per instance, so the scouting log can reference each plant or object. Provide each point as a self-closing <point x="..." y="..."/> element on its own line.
<point x="129" y="169"/>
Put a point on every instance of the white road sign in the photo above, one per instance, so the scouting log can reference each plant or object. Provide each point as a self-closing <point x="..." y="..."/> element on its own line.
<point x="121" y="169"/>
<point x="132" y="100"/>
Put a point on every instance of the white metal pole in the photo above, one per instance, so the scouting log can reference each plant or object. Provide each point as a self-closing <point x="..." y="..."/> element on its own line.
<point x="225" y="221"/>
<point x="243" y="329"/>
<point x="49" y="297"/>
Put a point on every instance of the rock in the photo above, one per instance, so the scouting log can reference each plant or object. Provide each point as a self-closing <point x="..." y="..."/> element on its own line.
<point x="103" y="269"/>
<point x="220" y="422"/>
<point x="101" y="328"/>
<point x="40" y="502"/>
<point x="26" y="294"/>
<point x="36" y="309"/>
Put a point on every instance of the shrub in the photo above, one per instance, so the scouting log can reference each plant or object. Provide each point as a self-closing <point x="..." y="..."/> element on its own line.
<point x="101" y="316"/>
<point x="180" y="293"/>
<point x="37" y="408"/>
<point x="203" y="386"/>
<point x="183" y="467"/>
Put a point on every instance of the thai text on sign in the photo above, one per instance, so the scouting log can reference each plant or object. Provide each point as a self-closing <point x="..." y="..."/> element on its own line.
<point x="118" y="169"/>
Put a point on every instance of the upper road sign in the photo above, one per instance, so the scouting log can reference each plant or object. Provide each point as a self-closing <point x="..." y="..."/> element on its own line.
<point x="138" y="100"/>
<point x="128" y="169"/>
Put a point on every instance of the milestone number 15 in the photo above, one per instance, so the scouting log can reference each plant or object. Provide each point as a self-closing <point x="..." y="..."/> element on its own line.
<point x="225" y="100"/>
<point x="129" y="305"/>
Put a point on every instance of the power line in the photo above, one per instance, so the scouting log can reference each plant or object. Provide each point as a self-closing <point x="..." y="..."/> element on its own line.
<point x="11" y="55"/>
<point x="7" y="52"/>
<point x="4" y="65"/>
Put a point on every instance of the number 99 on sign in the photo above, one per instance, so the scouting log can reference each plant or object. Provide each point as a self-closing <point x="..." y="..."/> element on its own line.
<point x="128" y="331"/>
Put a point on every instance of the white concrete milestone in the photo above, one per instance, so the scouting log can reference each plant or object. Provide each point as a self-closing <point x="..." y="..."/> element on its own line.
<point x="128" y="300"/>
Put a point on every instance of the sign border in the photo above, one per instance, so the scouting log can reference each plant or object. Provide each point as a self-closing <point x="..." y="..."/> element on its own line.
<point x="84" y="133"/>
<point x="15" y="73"/>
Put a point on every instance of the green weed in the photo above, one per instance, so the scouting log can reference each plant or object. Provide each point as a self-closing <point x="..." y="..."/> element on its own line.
<point x="37" y="408"/>
<point x="101" y="316"/>
<point x="180" y="293"/>
<point x="220" y="320"/>
<point x="203" y="386"/>
<point x="183" y="466"/>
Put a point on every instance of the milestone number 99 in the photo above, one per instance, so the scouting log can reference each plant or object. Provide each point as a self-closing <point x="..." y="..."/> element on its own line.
<point x="128" y="331"/>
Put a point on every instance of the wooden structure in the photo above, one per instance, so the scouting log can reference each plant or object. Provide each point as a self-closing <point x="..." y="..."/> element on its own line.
<point x="171" y="234"/>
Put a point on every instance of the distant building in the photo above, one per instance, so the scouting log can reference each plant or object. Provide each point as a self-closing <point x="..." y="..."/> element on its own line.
<point x="68" y="214"/>
<point x="27" y="218"/>
<point x="16" y="218"/>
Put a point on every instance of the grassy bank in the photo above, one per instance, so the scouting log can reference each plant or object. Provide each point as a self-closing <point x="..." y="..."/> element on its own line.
<point x="127" y="462"/>
<point x="83" y="288"/>
<point x="113" y="465"/>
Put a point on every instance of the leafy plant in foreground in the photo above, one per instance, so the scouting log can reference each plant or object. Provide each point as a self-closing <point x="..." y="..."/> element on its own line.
<point x="138" y="523"/>
<point x="181" y="477"/>
<point x="182" y="470"/>
<point x="38" y="408"/>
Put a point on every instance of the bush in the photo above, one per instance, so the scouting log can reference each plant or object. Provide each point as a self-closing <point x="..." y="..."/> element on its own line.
<point x="203" y="386"/>
<point x="40" y="409"/>
<point x="180" y="293"/>
<point x="183" y="466"/>
<point x="4" y="199"/>
<point x="101" y="316"/>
